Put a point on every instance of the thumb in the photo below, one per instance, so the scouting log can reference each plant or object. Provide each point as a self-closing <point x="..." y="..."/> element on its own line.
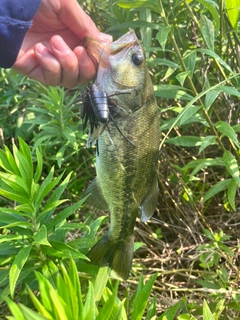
<point x="79" y="22"/>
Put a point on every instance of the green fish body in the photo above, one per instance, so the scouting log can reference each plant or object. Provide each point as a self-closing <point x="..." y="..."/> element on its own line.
<point x="127" y="157"/>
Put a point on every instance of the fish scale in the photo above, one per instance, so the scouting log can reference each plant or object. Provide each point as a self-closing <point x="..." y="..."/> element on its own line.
<point x="126" y="182"/>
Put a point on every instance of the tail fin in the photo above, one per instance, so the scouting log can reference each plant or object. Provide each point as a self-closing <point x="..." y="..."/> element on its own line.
<point x="115" y="254"/>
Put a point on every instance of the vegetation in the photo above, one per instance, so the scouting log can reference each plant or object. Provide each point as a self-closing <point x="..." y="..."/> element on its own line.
<point x="187" y="263"/>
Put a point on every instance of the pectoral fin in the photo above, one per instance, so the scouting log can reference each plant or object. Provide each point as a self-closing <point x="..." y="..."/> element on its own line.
<point x="96" y="198"/>
<point x="149" y="203"/>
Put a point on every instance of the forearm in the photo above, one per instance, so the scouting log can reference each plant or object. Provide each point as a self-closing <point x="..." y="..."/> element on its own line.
<point x="15" y="20"/>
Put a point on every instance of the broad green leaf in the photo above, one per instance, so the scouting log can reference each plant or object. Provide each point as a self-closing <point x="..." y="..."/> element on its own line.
<point x="162" y="62"/>
<point x="25" y="150"/>
<point x="168" y="73"/>
<point x="14" y="196"/>
<point x="9" y="249"/>
<point x="207" y="314"/>
<point x="231" y="166"/>
<point x="182" y="76"/>
<point x="214" y="12"/>
<point x="41" y="236"/>
<point x="185" y="141"/>
<point x="215" y="56"/>
<point x="207" y="141"/>
<point x="17" y="184"/>
<point x="135" y="4"/>
<point x="61" y="249"/>
<point x="210" y="98"/>
<point x="207" y="30"/>
<point x="52" y="206"/>
<point x="229" y="90"/>
<point x="187" y="115"/>
<point x="203" y="163"/>
<point x="189" y="105"/>
<point x="141" y="299"/>
<point x="70" y="135"/>
<point x="60" y="155"/>
<point x="162" y="36"/>
<point x="17" y="267"/>
<point x="227" y="131"/>
<point x="190" y="58"/>
<point x="216" y="188"/>
<point x="232" y="190"/>
<point x="233" y="10"/>
<point x="171" y="92"/>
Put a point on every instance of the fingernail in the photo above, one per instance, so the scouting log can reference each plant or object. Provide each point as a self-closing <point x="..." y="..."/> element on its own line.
<point x="60" y="45"/>
<point x="105" y="37"/>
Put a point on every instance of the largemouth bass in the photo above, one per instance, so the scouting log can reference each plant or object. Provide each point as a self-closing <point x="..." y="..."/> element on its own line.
<point x="127" y="157"/>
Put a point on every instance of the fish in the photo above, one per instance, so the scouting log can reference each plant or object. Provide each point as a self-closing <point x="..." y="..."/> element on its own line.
<point x="126" y="182"/>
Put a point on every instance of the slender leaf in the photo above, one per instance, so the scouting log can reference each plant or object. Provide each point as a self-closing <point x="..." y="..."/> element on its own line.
<point x="232" y="190"/>
<point x="141" y="299"/>
<point x="64" y="214"/>
<point x="207" y="314"/>
<point x="171" y="313"/>
<point x="232" y="7"/>
<point x="17" y="267"/>
<point x="216" y="188"/>
<point x="15" y="309"/>
<point x="171" y="92"/>
<point x="207" y="30"/>
<point x="89" y="310"/>
<point x="38" y="171"/>
<point x="162" y="36"/>
<point x="41" y="236"/>
<point x="185" y="141"/>
<point x="227" y="131"/>
<point x="231" y="166"/>
<point x="147" y="4"/>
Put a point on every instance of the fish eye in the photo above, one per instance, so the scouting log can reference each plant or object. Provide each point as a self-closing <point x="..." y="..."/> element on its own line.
<point x="137" y="58"/>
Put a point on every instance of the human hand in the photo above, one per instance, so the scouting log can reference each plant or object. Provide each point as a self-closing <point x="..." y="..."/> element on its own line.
<point x="52" y="51"/>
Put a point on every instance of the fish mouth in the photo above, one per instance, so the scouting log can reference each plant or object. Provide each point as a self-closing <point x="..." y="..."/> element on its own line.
<point x="99" y="52"/>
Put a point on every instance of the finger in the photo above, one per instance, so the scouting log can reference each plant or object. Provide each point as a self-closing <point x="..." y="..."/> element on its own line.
<point x="38" y="63"/>
<point x="49" y="70"/>
<point x="87" y="70"/>
<point x="67" y="60"/>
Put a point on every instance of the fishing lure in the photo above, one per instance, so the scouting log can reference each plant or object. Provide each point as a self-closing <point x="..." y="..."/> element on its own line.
<point x="96" y="109"/>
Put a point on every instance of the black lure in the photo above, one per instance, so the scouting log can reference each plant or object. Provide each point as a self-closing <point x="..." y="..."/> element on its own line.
<point x="95" y="108"/>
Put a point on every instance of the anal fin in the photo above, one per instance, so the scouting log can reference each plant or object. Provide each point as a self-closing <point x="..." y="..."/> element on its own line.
<point x="149" y="203"/>
<point x="96" y="198"/>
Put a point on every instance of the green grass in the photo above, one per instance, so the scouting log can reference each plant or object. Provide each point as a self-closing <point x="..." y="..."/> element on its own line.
<point x="188" y="267"/>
